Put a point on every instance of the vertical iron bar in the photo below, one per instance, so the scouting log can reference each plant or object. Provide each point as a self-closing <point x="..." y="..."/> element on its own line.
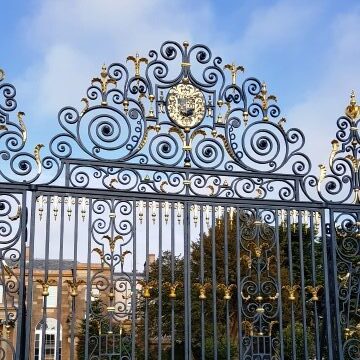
<point x="160" y="284"/>
<point x="134" y="294"/>
<point x="332" y="239"/>
<point x="226" y="265"/>
<point x="303" y="298"/>
<point x="214" y="282"/>
<point x="73" y="305"/>
<point x="47" y="241"/>
<point x="278" y="270"/>
<point x="29" y="294"/>
<point x="202" y="282"/>
<point x="88" y="281"/>
<point x="172" y="279"/>
<point x="186" y="285"/>
<point x="22" y="282"/>
<point x="146" y="325"/>
<point x="59" y="287"/>
<point x="291" y="283"/>
<point x="238" y="282"/>
<point x="314" y="282"/>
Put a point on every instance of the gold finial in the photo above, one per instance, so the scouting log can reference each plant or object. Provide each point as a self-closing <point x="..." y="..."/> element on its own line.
<point x="291" y="290"/>
<point x="104" y="80"/>
<point x="74" y="286"/>
<point x="45" y="285"/>
<point x="264" y="98"/>
<point x="137" y="60"/>
<point x="2" y="74"/>
<point x="227" y="290"/>
<point x="146" y="287"/>
<point x="37" y="157"/>
<point x="202" y="289"/>
<point x="352" y="110"/>
<point x="313" y="290"/>
<point x="233" y="68"/>
<point x="172" y="288"/>
<point x="20" y="116"/>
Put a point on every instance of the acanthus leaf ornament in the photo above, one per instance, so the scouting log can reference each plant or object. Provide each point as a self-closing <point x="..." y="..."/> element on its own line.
<point x="37" y="157"/>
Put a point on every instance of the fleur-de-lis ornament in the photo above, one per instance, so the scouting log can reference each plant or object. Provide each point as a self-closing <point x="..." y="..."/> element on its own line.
<point x="234" y="69"/>
<point x="202" y="289"/>
<point x="172" y="287"/>
<point x="291" y="289"/>
<point x="104" y="80"/>
<point x="146" y="287"/>
<point x="137" y="60"/>
<point x="112" y="241"/>
<point x="74" y="284"/>
<point x="227" y="290"/>
<point x="264" y="99"/>
<point x="313" y="290"/>
<point x="45" y="285"/>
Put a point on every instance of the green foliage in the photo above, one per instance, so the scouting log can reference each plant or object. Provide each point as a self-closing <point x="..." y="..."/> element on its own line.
<point x="298" y="341"/>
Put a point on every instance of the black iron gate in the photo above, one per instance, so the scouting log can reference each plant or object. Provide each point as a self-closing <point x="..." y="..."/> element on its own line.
<point x="174" y="216"/>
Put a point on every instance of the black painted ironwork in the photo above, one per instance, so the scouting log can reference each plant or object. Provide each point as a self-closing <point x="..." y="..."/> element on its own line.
<point x="175" y="154"/>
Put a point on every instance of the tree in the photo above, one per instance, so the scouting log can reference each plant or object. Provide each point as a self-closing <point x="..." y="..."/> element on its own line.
<point x="258" y="265"/>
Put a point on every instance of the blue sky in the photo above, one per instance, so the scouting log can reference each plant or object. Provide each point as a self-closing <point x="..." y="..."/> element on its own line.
<point x="307" y="51"/>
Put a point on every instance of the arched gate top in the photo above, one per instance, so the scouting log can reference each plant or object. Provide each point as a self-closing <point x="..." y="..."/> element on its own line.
<point x="180" y="120"/>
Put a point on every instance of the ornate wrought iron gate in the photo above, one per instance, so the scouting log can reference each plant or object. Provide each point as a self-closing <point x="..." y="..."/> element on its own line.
<point x="175" y="216"/>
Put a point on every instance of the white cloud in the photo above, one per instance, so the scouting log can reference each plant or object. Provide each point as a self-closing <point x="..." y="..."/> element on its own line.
<point x="329" y="93"/>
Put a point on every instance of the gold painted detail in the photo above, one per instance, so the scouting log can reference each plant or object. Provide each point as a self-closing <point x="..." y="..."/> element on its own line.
<point x="17" y="215"/>
<point x="73" y="285"/>
<point x="313" y="290"/>
<point x="233" y="68"/>
<point x="202" y="289"/>
<point x="355" y="163"/>
<point x="112" y="241"/>
<point x="172" y="288"/>
<point x="227" y="289"/>
<point x="137" y="60"/>
<point x="352" y="110"/>
<point x="2" y="74"/>
<point x="146" y="287"/>
<point x="226" y="144"/>
<point x="322" y="175"/>
<point x="145" y="137"/>
<point x="86" y="106"/>
<point x="178" y="131"/>
<point x="37" y="157"/>
<point x="186" y="105"/>
<point x="104" y="80"/>
<point x="3" y="127"/>
<point x="45" y="285"/>
<point x="264" y="98"/>
<point x="335" y="146"/>
<point x="20" y="116"/>
<point x="292" y="291"/>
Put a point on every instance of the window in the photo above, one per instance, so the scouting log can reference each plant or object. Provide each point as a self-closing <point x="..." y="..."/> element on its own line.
<point x="49" y="338"/>
<point x="51" y="300"/>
